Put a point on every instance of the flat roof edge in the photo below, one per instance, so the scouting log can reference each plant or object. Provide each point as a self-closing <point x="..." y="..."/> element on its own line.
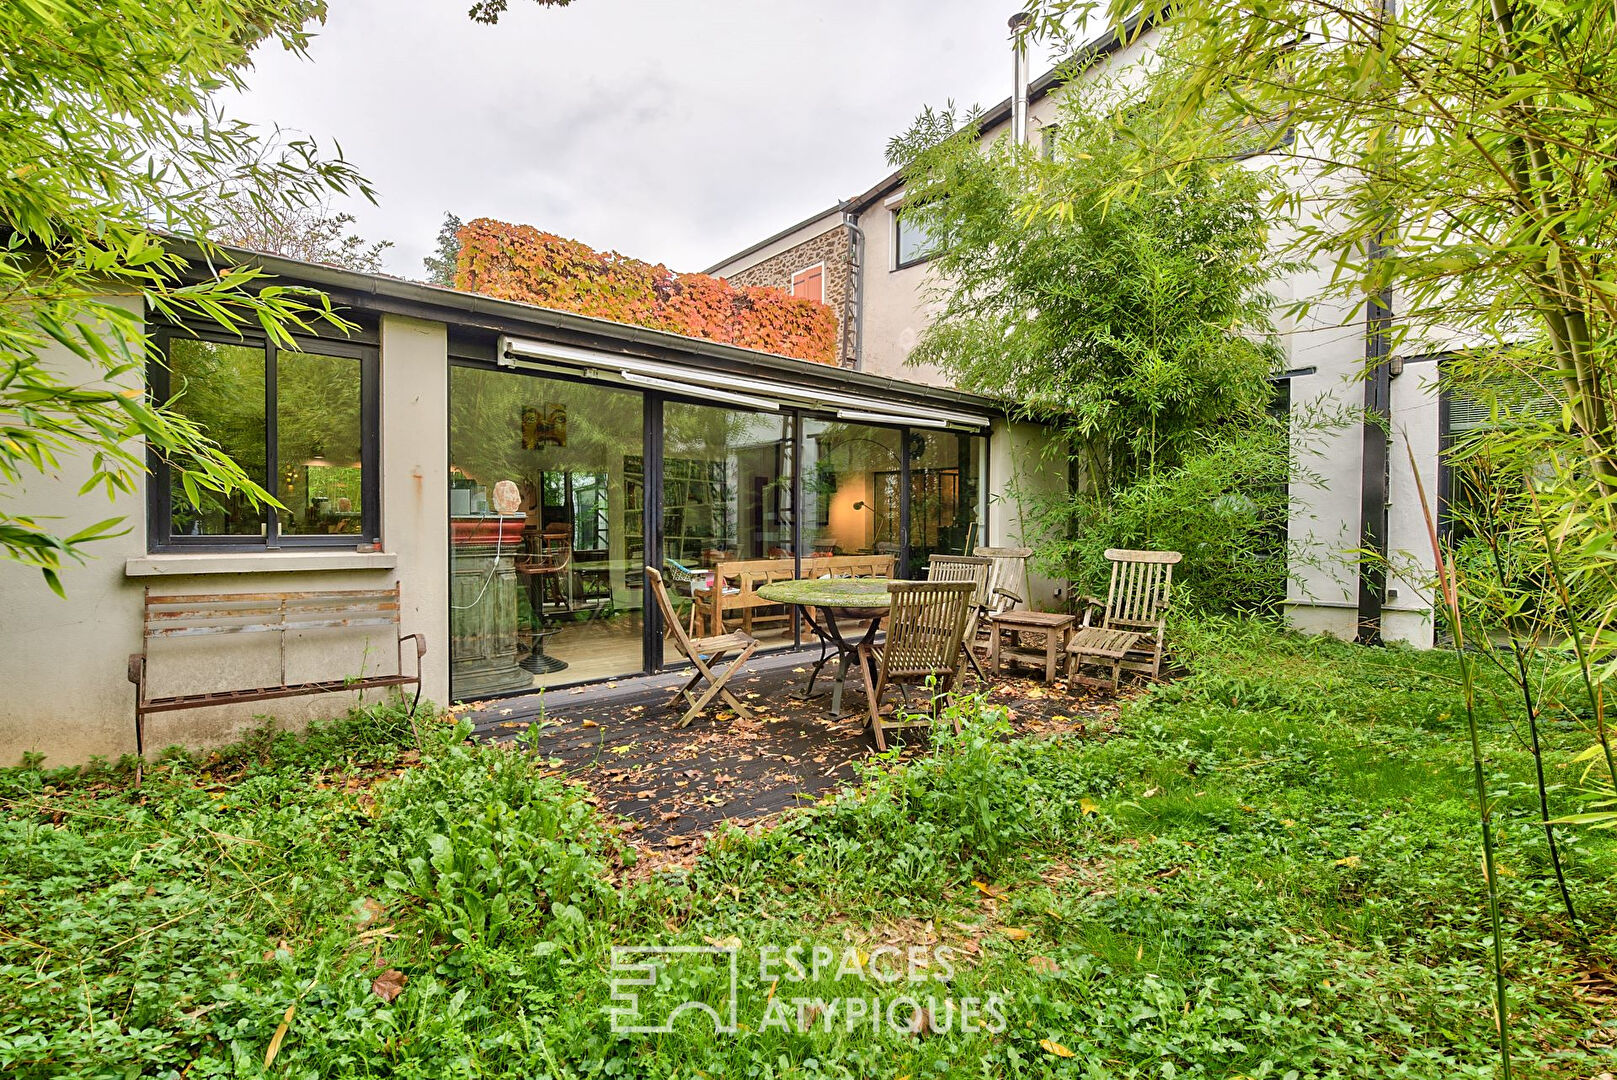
<point x="437" y="304"/>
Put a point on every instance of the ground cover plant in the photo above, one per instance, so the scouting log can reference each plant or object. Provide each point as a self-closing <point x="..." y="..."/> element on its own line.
<point x="1267" y="868"/>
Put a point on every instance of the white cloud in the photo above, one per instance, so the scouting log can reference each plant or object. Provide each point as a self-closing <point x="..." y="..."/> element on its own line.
<point x="671" y="130"/>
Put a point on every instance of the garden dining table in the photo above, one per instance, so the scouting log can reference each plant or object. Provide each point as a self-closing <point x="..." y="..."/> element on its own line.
<point x="826" y="603"/>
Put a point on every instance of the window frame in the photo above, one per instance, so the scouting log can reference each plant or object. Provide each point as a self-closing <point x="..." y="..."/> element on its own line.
<point x="898" y="247"/>
<point x="1048" y="134"/>
<point x="161" y="538"/>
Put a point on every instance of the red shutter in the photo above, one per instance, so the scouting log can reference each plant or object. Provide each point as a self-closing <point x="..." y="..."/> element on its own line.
<point x="809" y="284"/>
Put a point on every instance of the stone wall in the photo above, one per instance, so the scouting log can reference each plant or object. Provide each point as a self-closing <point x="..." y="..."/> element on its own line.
<point x="830" y="248"/>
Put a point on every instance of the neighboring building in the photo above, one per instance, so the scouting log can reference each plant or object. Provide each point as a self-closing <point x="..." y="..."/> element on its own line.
<point x="1369" y="499"/>
<point x="388" y="448"/>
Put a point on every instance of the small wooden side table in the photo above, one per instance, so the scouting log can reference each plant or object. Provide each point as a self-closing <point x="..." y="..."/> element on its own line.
<point x="1056" y="629"/>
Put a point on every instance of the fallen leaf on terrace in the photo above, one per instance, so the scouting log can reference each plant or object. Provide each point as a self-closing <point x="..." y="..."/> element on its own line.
<point x="588" y="723"/>
<point x="389" y="984"/>
<point x="1050" y="1046"/>
<point x="671" y="815"/>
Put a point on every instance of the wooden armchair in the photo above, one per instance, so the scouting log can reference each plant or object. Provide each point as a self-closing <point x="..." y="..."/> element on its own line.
<point x="975" y="570"/>
<point x="1128" y="632"/>
<point x="926" y="626"/>
<point x="1007" y="577"/>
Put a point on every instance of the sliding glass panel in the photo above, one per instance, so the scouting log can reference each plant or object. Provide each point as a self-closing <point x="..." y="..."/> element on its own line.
<point x="727" y="513"/>
<point x="852" y="479"/>
<point x="548" y="549"/>
<point x="945" y="495"/>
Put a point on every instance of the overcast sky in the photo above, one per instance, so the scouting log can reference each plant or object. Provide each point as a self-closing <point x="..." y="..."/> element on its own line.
<point x="676" y="131"/>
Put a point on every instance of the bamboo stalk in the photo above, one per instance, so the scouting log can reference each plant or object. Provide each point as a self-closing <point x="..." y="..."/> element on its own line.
<point x="1451" y="607"/>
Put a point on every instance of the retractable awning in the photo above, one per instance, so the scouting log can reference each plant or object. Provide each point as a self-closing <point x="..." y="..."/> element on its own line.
<point x="722" y="387"/>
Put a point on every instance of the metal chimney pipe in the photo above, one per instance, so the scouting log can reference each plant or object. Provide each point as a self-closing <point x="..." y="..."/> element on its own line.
<point x="1018" y="22"/>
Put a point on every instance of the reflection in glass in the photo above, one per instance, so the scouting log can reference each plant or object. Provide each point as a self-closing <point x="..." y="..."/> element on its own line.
<point x="727" y="500"/>
<point x="220" y="388"/>
<point x="317" y="409"/>
<point x="851" y="489"/>
<point x="945" y="491"/>
<point x="552" y="591"/>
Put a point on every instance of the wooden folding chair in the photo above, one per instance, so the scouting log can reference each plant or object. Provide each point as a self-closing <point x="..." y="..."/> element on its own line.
<point x="975" y="570"/>
<point x="705" y="653"/>
<point x="1130" y="631"/>
<point x="926" y="625"/>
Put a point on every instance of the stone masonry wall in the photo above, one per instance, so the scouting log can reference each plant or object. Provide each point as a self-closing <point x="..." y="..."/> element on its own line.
<point x="830" y="248"/>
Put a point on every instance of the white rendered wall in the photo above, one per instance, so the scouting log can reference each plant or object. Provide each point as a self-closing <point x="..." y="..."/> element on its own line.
<point x="63" y="663"/>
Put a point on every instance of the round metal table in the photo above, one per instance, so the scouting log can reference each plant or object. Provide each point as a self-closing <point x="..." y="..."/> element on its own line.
<point x="855" y="600"/>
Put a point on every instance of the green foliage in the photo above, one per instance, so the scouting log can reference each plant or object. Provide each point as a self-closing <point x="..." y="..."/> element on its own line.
<point x="1137" y="326"/>
<point x="1267" y="869"/>
<point x="489" y="11"/>
<point x="111" y="143"/>
<point x="1224" y="507"/>
<point x="441" y="264"/>
<point x="488" y="846"/>
<point x="1140" y="325"/>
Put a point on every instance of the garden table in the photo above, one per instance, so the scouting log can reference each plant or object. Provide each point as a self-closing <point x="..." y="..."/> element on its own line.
<point x="825" y="601"/>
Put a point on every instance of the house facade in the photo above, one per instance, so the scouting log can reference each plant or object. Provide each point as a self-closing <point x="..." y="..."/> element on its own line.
<point x="513" y="470"/>
<point x="1366" y="498"/>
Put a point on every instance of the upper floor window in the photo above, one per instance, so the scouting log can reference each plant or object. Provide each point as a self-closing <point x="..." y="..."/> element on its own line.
<point x="810" y="284"/>
<point x="1047" y="141"/>
<point x="912" y="242"/>
<point x="301" y="423"/>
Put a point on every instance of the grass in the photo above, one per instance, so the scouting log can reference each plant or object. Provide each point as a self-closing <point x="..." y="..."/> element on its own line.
<point x="1271" y="869"/>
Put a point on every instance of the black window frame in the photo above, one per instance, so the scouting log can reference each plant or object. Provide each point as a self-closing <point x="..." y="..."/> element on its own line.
<point x="161" y="538"/>
<point x="898" y="246"/>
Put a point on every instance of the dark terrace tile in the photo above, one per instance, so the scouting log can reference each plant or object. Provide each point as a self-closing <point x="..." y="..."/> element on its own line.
<point x="673" y="784"/>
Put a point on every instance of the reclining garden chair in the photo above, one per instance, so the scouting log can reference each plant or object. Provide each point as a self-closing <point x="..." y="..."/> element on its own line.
<point x="1129" y="632"/>
<point x="975" y="570"/>
<point x="926" y="625"/>
<point x="704" y="652"/>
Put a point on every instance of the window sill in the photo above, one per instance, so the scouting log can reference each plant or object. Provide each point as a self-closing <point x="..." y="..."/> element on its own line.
<point x="257" y="562"/>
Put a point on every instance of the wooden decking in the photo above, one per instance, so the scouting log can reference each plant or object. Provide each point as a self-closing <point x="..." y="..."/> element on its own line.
<point x="673" y="784"/>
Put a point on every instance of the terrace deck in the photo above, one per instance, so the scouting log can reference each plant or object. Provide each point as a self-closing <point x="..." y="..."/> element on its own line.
<point x="673" y="784"/>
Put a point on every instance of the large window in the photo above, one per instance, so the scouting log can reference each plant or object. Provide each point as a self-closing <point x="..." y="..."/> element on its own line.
<point x="547" y="495"/>
<point x="945" y="495"/>
<point x="301" y="423"/>
<point x="852" y="489"/>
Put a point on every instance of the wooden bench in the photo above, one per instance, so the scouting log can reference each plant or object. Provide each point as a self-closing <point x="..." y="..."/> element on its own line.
<point x="736" y="585"/>
<point x="279" y="613"/>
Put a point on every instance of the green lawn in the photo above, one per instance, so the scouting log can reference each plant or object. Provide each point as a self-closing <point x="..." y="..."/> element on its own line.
<point x="1271" y="868"/>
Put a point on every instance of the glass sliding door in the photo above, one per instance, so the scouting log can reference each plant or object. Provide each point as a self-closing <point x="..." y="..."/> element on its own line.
<point x="945" y="495"/>
<point x="852" y="489"/>
<point x="547" y="491"/>
<point x="727" y="512"/>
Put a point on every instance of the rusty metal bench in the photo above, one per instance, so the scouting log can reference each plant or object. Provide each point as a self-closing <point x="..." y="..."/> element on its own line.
<point x="246" y="613"/>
